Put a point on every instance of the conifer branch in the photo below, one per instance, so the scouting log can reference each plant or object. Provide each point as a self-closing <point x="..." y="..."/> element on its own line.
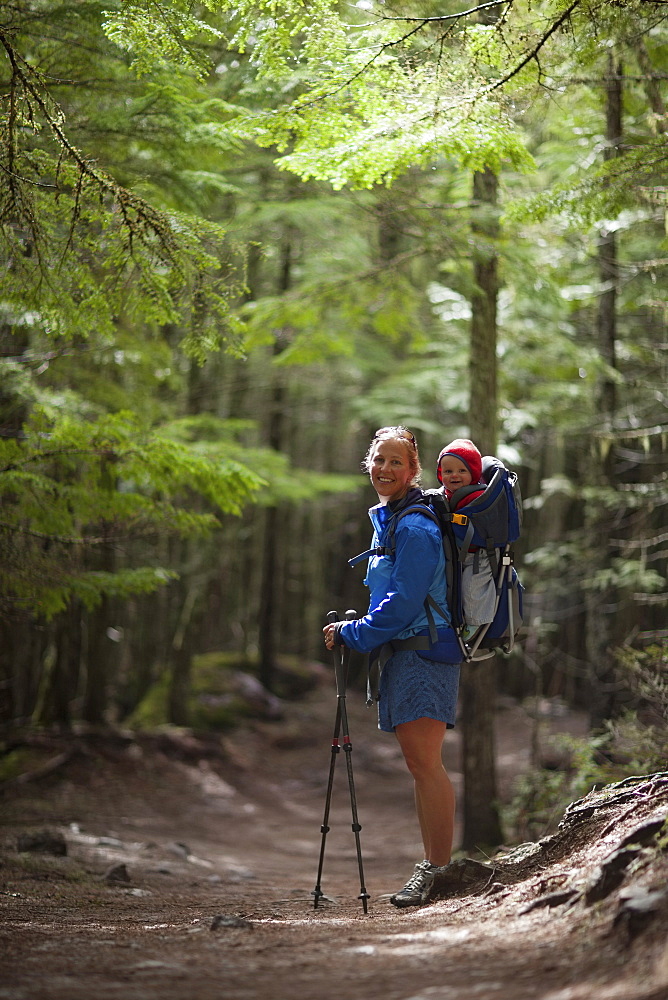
<point x="440" y="18"/>
<point x="19" y="529"/>
<point x="533" y="54"/>
<point x="138" y="217"/>
<point x="41" y="456"/>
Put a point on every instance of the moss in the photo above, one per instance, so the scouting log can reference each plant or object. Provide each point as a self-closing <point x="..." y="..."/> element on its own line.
<point x="210" y="672"/>
<point x="45" y="868"/>
<point x="18" y="762"/>
<point x="151" y="711"/>
<point x="215" y="701"/>
<point x="662" y="837"/>
<point x="218" y="714"/>
<point x="211" y="704"/>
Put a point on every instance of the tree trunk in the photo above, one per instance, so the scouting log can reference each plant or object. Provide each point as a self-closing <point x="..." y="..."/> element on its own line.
<point x="482" y="827"/>
<point x="269" y="614"/>
<point x="651" y="81"/>
<point x="480" y="815"/>
<point x="601" y="604"/>
<point x="483" y="393"/>
<point x="178" y="696"/>
<point x="99" y="650"/>
<point x="62" y="665"/>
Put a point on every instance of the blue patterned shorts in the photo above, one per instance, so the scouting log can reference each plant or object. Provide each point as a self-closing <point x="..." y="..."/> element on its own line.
<point x="411" y="687"/>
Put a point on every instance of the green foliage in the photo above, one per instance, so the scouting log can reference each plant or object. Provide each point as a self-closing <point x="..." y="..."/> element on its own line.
<point x="67" y="281"/>
<point x="632" y="574"/>
<point x="160" y="35"/>
<point x="388" y="141"/>
<point x="157" y="33"/>
<point x="328" y="318"/>
<point x="371" y="110"/>
<point x="634" y="743"/>
<point x="625" y="748"/>
<point x="539" y="800"/>
<point x="647" y="672"/>
<point x="565" y="558"/>
<point x="80" y="249"/>
<point x="575" y="185"/>
<point x="282" y="481"/>
<point x="604" y="191"/>
<point x="69" y="488"/>
<point x="367" y="101"/>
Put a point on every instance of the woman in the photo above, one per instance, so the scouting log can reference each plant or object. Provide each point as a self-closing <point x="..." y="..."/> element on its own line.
<point x="418" y="690"/>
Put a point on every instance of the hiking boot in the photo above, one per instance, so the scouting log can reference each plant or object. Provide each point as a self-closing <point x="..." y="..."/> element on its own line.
<point x="441" y="879"/>
<point x="416" y="890"/>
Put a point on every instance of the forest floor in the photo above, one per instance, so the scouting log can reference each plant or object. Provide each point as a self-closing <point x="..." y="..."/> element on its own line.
<point x="191" y="863"/>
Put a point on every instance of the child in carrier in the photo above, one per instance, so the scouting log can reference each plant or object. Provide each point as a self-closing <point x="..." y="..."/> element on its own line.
<point x="460" y="465"/>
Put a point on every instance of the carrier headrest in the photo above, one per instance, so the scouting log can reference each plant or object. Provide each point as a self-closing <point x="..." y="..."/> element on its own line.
<point x="490" y="465"/>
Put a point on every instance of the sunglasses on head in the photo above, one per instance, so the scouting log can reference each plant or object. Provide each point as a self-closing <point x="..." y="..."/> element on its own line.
<point x="401" y="432"/>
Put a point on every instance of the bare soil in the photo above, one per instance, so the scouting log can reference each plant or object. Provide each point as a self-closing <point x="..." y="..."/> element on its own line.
<point x="220" y="839"/>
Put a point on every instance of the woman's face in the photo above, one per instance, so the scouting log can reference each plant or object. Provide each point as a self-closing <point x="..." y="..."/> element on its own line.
<point x="390" y="470"/>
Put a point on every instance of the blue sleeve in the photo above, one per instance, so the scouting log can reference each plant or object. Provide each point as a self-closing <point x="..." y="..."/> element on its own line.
<point x="415" y="562"/>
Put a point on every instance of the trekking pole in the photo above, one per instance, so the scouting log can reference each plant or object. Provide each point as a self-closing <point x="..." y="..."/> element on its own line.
<point x="341" y="658"/>
<point x="348" y="749"/>
<point x="324" y="829"/>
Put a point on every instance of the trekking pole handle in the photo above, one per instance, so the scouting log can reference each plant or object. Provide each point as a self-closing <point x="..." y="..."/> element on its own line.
<point x="334" y="616"/>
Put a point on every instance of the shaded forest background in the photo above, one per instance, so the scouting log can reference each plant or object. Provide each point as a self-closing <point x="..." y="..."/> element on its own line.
<point x="235" y="241"/>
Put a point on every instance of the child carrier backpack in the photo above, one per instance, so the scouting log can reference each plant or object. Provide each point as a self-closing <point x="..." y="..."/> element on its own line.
<point x="490" y="521"/>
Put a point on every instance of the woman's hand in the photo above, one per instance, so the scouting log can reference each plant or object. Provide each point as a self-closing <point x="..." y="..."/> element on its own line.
<point x="329" y="632"/>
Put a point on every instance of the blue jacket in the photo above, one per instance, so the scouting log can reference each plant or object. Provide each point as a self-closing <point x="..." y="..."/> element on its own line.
<point x="399" y="584"/>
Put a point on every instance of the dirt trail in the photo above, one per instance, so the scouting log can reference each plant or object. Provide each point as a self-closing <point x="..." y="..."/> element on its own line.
<point x="221" y="852"/>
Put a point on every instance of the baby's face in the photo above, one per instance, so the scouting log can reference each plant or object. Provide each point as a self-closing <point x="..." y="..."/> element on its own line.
<point x="454" y="473"/>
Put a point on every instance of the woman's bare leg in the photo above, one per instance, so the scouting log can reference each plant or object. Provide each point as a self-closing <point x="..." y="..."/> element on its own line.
<point x="421" y="742"/>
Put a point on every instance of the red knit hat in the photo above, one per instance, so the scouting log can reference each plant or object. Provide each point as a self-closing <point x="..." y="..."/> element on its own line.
<point x="469" y="455"/>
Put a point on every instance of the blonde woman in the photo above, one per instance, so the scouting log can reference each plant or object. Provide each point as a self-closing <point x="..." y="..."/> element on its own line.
<point x="417" y="697"/>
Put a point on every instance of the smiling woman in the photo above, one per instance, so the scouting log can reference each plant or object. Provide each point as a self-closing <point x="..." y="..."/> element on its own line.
<point x="408" y="611"/>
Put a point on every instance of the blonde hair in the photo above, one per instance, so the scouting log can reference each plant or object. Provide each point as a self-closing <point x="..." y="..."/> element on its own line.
<point x="398" y="433"/>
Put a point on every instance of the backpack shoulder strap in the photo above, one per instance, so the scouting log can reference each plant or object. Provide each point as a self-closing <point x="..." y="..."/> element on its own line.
<point x="413" y="507"/>
<point x="435" y="505"/>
